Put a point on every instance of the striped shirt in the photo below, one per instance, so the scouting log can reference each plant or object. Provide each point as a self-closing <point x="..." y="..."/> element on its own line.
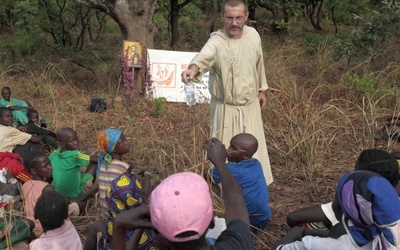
<point x="114" y="169"/>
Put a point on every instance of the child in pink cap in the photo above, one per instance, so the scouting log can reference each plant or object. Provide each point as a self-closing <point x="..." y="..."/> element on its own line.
<point x="181" y="210"/>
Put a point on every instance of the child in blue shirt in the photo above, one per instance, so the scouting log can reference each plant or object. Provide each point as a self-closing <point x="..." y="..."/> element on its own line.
<point x="248" y="173"/>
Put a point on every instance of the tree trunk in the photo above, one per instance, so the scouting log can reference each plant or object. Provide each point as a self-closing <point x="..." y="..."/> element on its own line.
<point x="214" y="15"/>
<point x="315" y="21"/>
<point x="135" y="18"/>
<point x="174" y="21"/>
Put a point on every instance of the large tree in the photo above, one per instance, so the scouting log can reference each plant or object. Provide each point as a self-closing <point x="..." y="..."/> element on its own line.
<point x="174" y="20"/>
<point x="134" y="17"/>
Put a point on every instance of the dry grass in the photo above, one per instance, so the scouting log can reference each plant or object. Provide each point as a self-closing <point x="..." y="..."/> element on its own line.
<point x="315" y="126"/>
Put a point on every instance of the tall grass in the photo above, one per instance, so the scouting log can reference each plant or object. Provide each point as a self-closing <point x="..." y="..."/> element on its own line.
<point x="312" y="118"/>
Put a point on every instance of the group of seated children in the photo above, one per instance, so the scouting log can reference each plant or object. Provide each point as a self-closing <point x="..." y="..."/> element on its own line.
<point x="123" y="189"/>
<point x="39" y="172"/>
<point x="19" y="108"/>
<point x="365" y="213"/>
<point x="177" y="213"/>
<point x="126" y="194"/>
<point x="23" y="139"/>
<point x="60" y="172"/>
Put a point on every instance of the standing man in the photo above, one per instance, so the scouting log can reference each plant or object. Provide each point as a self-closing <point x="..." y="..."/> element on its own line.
<point x="237" y="83"/>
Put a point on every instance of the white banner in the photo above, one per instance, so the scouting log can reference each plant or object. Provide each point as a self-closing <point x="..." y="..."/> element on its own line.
<point x="166" y="68"/>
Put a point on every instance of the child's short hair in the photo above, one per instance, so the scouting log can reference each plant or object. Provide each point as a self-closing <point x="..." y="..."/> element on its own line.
<point x="380" y="162"/>
<point x="31" y="112"/>
<point x="6" y="88"/>
<point x="31" y="158"/>
<point x="51" y="210"/>
<point x="3" y="110"/>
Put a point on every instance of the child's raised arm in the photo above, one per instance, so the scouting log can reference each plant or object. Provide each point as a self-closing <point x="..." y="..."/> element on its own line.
<point x="138" y="217"/>
<point x="235" y="207"/>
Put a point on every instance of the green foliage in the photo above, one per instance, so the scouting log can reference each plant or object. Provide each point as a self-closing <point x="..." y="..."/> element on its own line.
<point x="343" y="48"/>
<point x="26" y="12"/>
<point x="365" y="84"/>
<point x="129" y="120"/>
<point x="376" y="29"/>
<point x="290" y="9"/>
<point x="35" y="26"/>
<point x="342" y="11"/>
<point x="162" y="26"/>
<point x="282" y="25"/>
<point x="188" y="17"/>
<point x="378" y="26"/>
<point x="186" y="23"/>
<point x="159" y="106"/>
<point x="312" y="41"/>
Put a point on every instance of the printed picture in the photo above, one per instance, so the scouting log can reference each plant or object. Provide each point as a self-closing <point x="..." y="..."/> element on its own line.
<point x="133" y="53"/>
<point x="163" y="74"/>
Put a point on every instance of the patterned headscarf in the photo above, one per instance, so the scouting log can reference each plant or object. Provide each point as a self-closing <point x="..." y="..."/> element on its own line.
<point x="106" y="142"/>
<point x="371" y="209"/>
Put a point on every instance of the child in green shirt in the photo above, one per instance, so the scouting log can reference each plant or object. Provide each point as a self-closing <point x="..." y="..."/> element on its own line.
<point x="67" y="162"/>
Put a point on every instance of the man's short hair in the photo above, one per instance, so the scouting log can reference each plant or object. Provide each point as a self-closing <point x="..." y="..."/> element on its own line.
<point x="181" y="207"/>
<point x="234" y="3"/>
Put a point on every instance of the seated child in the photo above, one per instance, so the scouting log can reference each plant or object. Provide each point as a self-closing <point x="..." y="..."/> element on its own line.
<point x="123" y="193"/>
<point x="188" y="195"/>
<point x="19" y="108"/>
<point x="10" y="137"/>
<point x="38" y="164"/>
<point x="67" y="162"/>
<point x="112" y="145"/>
<point x="127" y="192"/>
<point x="13" y="165"/>
<point x="20" y="231"/>
<point x="12" y="230"/>
<point x="59" y="233"/>
<point x="318" y="219"/>
<point x="248" y="173"/>
<point x="371" y="216"/>
<point x="46" y="135"/>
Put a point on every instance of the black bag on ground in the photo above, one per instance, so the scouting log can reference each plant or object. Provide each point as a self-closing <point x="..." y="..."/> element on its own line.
<point x="97" y="105"/>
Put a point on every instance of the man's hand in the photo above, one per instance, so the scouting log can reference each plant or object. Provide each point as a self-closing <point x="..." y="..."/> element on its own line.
<point x="216" y="151"/>
<point x="189" y="74"/>
<point x="262" y="97"/>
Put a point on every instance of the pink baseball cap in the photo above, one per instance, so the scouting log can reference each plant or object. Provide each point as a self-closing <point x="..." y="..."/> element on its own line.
<point x="181" y="203"/>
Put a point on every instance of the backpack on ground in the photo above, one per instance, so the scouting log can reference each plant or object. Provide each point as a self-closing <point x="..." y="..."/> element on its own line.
<point x="98" y="105"/>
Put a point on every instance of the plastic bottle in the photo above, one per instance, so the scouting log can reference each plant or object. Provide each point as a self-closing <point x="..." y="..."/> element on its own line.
<point x="190" y="94"/>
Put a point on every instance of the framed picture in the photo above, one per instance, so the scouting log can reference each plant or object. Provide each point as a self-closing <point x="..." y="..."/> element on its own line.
<point x="133" y="53"/>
